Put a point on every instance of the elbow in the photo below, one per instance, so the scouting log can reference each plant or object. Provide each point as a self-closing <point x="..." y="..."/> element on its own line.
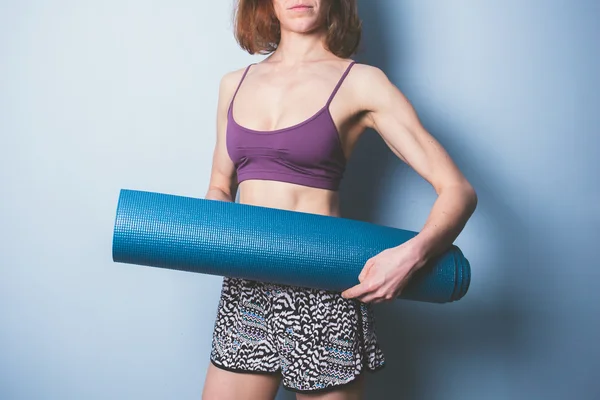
<point x="464" y="191"/>
<point x="470" y="196"/>
<point x="219" y="193"/>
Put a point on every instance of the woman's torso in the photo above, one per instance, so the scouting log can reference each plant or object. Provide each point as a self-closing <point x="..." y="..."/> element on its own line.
<point x="290" y="135"/>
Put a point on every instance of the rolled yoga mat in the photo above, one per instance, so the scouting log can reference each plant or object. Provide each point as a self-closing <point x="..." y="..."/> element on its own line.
<point x="269" y="245"/>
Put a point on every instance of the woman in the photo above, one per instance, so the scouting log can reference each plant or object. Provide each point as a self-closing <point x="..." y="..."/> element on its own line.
<point x="285" y="129"/>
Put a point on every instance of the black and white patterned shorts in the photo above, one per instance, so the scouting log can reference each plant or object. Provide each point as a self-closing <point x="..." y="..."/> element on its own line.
<point x="315" y="339"/>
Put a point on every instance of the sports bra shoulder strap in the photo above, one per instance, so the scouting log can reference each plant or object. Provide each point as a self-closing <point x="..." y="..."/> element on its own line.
<point x="241" y="80"/>
<point x="337" y="87"/>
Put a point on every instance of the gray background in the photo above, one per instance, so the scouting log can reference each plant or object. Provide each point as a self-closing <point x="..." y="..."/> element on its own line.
<point x="101" y="95"/>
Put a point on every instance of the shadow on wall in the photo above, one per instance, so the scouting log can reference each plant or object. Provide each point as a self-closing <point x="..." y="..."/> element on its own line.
<point x="422" y="341"/>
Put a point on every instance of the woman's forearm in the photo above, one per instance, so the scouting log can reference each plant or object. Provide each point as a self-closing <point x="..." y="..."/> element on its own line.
<point x="450" y="212"/>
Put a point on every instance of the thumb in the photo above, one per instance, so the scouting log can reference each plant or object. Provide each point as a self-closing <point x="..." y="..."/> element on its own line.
<point x="365" y="270"/>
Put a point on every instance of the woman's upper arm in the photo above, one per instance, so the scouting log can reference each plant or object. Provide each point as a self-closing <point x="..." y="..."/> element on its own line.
<point x="389" y="112"/>
<point x="222" y="176"/>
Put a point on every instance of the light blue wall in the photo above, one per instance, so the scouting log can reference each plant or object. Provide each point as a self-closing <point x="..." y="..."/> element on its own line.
<point x="512" y="90"/>
<point x="97" y="96"/>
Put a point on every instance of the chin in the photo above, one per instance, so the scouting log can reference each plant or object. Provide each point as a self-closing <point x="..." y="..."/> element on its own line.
<point x="302" y="26"/>
<point x="306" y="24"/>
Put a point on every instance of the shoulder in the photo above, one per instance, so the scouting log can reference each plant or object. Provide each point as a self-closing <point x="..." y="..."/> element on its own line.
<point x="230" y="80"/>
<point x="368" y="79"/>
<point x="368" y="72"/>
<point x="373" y="87"/>
<point x="227" y="86"/>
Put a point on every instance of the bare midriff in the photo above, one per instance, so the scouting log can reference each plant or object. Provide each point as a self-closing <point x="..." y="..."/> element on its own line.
<point x="289" y="196"/>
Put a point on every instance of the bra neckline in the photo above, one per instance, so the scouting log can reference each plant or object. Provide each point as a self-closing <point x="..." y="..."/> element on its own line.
<point x="288" y="128"/>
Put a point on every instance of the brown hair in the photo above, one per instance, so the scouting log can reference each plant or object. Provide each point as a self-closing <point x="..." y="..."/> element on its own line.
<point x="257" y="29"/>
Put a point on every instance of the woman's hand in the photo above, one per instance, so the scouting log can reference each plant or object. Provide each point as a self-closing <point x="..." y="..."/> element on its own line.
<point x="384" y="276"/>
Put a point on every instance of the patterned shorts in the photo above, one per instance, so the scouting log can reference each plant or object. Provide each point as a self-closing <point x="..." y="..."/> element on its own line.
<point x="315" y="339"/>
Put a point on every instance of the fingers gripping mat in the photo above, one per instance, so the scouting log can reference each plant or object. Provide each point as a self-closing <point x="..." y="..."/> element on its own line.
<point x="269" y="245"/>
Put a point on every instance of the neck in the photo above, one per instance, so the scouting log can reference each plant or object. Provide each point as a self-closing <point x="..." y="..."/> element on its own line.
<point x="297" y="48"/>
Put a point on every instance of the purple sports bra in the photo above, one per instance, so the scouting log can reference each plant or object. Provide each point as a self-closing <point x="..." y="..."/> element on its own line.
<point x="308" y="153"/>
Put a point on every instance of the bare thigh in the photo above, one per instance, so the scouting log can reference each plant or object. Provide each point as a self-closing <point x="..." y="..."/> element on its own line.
<point x="351" y="391"/>
<point x="225" y="385"/>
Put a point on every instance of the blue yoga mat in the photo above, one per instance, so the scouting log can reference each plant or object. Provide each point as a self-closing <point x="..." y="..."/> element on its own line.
<point x="269" y="245"/>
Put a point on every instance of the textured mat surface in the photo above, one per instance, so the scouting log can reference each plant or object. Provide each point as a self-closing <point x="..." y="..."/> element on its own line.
<point x="266" y="244"/>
